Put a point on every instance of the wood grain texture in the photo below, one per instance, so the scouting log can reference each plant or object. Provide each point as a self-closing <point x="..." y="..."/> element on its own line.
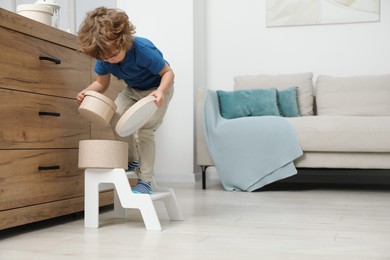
<point x="24" y="215"/>
<point x="41" y="72"/>
<point x="22" y="69"/>
<point x="28" y="26"/>
<point x="39" y="176"/>
<point x="39" y="121"/>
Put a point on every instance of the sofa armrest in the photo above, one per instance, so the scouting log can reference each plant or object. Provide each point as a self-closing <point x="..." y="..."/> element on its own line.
<point x="202" y="155"/>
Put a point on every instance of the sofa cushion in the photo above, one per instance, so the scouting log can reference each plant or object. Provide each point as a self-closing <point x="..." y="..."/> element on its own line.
<point x="304" y="82"/>
<point x="288" y="102"/>
<point x="251" y="102"/>
<point x="355" y="96"/>
<point x="342" y="133"/>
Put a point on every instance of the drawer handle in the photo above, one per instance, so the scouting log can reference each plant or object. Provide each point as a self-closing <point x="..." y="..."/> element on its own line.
<point x="55" y="60"/>
<point x="48" y="168"/>
<point x="42" y="113"/>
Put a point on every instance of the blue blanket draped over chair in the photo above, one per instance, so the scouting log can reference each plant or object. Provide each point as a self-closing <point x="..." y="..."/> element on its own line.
<point x="249" y="152"/>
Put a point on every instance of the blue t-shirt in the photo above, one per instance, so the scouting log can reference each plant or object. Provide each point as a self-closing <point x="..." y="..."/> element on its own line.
<point x="140" y="68"/>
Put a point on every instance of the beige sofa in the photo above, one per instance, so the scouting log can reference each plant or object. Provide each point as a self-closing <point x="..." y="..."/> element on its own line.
<point x="344" y="122"/>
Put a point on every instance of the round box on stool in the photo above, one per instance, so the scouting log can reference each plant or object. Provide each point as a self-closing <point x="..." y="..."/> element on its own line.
<point x="108" y="154"/>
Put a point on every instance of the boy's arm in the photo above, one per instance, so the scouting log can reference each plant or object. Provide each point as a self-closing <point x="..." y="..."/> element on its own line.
<point x="99" y="85"/>
<point x="167" y="77"/>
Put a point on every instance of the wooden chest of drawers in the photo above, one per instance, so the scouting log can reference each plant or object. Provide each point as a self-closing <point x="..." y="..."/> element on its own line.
<point x="41" y="72"/>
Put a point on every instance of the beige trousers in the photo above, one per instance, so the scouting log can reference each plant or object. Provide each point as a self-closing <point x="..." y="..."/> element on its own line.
<point x="141" y="143"/>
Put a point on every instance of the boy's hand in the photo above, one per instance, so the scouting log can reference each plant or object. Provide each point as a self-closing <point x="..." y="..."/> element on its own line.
<point x="80" y="97"/>
<point x="159" y="98"/>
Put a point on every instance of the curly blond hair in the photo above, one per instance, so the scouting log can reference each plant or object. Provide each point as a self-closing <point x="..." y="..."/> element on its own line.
<point x="104" y="32"/>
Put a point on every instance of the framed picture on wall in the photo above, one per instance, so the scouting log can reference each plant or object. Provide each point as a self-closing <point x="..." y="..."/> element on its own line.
<point x="311" y="12"/>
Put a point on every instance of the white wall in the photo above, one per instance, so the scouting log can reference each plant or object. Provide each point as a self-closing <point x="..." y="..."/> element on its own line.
<point x="169" y="24"/>
<point x="239" y="43"/>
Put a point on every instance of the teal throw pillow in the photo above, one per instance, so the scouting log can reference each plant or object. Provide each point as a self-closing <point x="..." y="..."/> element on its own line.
<point x="288" y="102"/>
<point x="249" y="102"/>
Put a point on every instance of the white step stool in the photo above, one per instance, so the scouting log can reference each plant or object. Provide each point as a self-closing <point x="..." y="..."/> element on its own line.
<point x="124" y="198"/>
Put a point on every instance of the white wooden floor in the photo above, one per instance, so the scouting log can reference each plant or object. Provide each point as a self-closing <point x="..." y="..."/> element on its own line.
<point x="280" y="223"/>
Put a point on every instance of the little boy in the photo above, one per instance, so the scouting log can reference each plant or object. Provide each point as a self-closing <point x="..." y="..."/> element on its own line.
<point x="107" y="35"/>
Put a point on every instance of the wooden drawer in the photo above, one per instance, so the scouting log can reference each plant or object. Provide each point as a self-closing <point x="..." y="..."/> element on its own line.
<point x="22" y="69"/>
<point x="39" y="121"/>
<point x="24" y="215"/>
<point x="30" y="177"/>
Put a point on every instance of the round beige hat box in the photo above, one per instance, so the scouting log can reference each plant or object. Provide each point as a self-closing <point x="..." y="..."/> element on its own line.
<point x="107" y="154"/>
<point x="97" y="108"/>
